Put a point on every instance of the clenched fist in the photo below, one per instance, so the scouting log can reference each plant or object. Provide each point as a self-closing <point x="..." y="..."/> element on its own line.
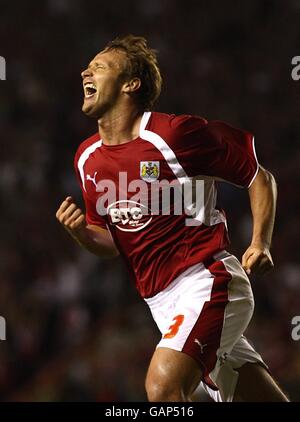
<point x="71" y="216"/>
<point x="91" y="237"/>
<point x="257" y="258"/>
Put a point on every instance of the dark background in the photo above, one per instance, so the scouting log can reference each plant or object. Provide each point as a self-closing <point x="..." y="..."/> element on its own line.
<point x="76" y="329"/>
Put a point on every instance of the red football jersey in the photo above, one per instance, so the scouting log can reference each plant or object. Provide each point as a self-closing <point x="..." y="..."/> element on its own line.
<point x="158" y="246"/>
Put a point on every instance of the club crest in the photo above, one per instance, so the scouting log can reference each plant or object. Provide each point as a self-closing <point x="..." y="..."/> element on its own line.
<point x="149" y="170"/>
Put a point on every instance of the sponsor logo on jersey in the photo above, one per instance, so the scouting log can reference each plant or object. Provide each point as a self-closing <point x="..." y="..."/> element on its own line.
<point x="149" y="170"/>
<point x="129" y="215"/>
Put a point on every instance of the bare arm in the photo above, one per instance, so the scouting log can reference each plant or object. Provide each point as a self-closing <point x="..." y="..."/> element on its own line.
<point x="93" y="238"/>
<point x="263" y="196"/>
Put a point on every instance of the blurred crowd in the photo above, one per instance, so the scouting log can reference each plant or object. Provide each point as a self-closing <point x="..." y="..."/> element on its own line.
<point x="76" y="328"/>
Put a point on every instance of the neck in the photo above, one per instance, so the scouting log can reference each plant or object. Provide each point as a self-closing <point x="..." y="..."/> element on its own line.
<point x="120" y="126"/>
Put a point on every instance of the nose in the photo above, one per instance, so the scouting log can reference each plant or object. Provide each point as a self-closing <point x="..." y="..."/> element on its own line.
<point x="85" y="73"/>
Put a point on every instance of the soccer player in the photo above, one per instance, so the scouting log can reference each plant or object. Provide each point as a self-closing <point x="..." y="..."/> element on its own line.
<point x="199" y="294"/>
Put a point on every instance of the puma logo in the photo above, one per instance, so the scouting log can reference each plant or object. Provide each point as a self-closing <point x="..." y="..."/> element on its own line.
<point x="200" y="345"/>
<point x="92" y="179"/>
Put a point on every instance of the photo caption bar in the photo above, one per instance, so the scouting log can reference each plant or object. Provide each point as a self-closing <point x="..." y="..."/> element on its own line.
<point x="148" y="410"/>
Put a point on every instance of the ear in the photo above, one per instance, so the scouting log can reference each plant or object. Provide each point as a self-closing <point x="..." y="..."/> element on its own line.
<point x="132" y="85"/>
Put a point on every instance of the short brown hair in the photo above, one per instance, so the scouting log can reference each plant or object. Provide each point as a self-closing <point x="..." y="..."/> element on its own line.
<point x="141" y="63"/>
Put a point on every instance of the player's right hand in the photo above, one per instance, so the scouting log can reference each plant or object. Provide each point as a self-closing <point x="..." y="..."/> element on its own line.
<point x="71" y="216"/>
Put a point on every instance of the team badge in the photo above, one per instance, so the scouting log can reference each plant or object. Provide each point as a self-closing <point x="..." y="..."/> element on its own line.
<point x="149" y="170"/>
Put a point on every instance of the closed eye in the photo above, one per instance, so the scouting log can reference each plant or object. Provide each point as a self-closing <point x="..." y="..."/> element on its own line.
<point x="99" y="66"/>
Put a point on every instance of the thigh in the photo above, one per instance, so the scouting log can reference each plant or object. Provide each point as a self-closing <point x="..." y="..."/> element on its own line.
<point x="172" y="372"/>
<point x="255" y="384"/>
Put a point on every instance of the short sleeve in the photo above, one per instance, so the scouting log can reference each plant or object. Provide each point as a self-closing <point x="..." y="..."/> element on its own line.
<point x="91" y="215"/>
<point x="218" y="150"/>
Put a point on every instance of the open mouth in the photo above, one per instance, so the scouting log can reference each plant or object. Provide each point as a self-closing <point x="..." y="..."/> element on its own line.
<point x="89" y="90"/>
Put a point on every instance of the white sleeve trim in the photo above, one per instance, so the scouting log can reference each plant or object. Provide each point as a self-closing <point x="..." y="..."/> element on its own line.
<point x="255" y="174"/>
<point x="83" y="158"/>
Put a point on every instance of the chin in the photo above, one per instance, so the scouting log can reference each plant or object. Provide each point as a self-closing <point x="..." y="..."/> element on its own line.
<point x="89" y="111"/>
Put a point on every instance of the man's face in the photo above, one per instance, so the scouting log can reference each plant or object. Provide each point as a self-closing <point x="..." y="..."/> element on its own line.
<point x="102" y="82"/>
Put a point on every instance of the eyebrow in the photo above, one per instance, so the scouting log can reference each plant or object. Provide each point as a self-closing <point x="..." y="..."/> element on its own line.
<point x="107" y="64"/>
<point x="95" y="62"/>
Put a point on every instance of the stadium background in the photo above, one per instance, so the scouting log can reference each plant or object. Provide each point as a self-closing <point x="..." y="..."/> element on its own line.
<point x="76" y="329"/>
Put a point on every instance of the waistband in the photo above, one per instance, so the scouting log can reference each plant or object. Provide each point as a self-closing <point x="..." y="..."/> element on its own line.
<point x="181" y="279"/>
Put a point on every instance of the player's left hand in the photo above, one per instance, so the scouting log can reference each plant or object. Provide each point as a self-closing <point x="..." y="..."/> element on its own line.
<point x="258" y="259"/>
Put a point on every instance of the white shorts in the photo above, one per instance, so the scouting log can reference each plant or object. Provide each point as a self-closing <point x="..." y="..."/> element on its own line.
<point x="204" y="313"/>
